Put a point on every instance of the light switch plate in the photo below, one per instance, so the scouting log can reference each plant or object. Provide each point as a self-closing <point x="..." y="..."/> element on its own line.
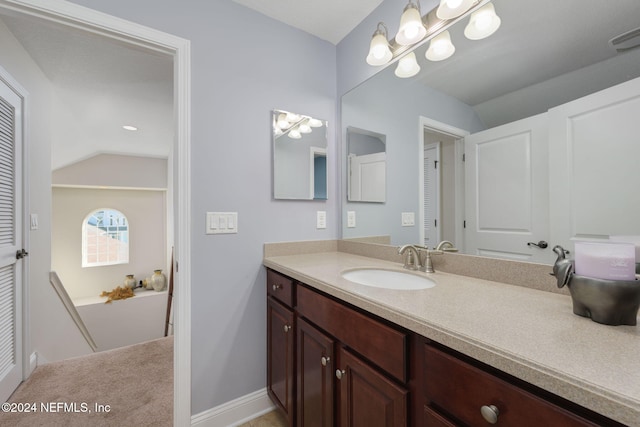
<point x="351" y="219"/>
<point x="321" y="219"/>
<point x="34" y="221"/>
<point x="408" y="219"/>
<point x="221" y="223"/>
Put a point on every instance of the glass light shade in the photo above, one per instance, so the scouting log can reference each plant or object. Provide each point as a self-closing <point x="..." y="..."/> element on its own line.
<point x="450" y="9"/>
<point x="411" y="28"/>
<point x="292" y="118"/>
<point x="379" y="52"/>
<point x="407" y="66"/>
<point x="315" y="123"/>
<point x="277" y="131"/>
<point x="295" y="134"/>
<point x="440" y="47"/>
<point x="282" y="122"/>
<point x="483" y="23"/>
<point x="304" y="128"/>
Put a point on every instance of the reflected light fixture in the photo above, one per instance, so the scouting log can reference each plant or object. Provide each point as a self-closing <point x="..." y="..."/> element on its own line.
<point x="379" y="51"/>
<point x="411" y="29"/>
<point x="292" y="117"/>
<point x="129" y="127"/>
<point x="440" y="47"/>
<point x="450" y="9"/>
<point x="304" y="128"/>
<point x="282" y="122"/>
<point x="295" y="134"/>
<point x="483" y="23"/>
<point x="407" y="66"/>
<point x="315" y="123"/>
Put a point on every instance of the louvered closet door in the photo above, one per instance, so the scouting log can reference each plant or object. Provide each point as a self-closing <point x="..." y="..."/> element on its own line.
<point x="10" y="241"/>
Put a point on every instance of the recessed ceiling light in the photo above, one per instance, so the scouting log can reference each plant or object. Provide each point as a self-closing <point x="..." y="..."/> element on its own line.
<point x="129" y="127"/>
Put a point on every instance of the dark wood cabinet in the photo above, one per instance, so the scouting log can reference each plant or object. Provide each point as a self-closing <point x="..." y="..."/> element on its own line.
<point x="367" y="398"/>
<point x="280" y="351"/>
<point x="332" y="364"/>
<point x="315" y="372"/>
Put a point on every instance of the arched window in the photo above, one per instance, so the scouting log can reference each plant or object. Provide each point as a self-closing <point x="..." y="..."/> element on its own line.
<point x="105" y="238"/>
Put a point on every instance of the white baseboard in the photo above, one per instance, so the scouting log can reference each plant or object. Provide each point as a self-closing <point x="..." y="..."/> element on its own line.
<point x="235" y="412"/>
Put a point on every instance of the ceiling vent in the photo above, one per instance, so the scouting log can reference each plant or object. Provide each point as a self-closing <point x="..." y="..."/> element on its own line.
<point x="627" y="41"/>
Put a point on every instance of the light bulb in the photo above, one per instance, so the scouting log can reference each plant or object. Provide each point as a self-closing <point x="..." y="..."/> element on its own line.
<point x="315" y="123"/>
<point x="295" y="134"/>
<point x="292" y="118"/>
<point x="411" y="29"/>
<point x="305" y="128"/>
<point x="379" y="52"/>
<point x="407" y="66"/>
<point x="282" y="121"/>
<point x="450" y="9"/>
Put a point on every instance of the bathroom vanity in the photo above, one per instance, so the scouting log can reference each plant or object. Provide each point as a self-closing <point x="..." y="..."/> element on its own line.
<point x="465" y="352"/>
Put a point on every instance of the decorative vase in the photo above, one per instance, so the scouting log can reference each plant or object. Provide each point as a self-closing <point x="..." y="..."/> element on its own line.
<point x="158" y="280"/>
<point x="147" y="284"/>
<point x="130" y="281"/>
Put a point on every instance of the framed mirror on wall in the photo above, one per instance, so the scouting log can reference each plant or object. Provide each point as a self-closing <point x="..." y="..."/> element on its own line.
<point x="366" y="166"/>
<point x="299" y="156"/>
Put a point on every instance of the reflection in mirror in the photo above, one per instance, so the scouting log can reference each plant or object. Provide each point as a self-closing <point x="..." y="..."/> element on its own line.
<point x="299" y="156"/>
<point x="529" y="106"/>
<point x="366" y="166"/>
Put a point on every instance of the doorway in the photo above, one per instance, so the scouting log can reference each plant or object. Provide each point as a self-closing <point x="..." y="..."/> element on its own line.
<point x="100" y="25"/>
<point x="441" y="183"/>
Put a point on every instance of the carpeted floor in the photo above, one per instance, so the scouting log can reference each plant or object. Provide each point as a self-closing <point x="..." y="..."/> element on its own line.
<point x="129" y="386"/>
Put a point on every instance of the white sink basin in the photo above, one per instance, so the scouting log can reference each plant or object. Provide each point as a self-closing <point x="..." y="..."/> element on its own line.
<point x="388" y="279"/>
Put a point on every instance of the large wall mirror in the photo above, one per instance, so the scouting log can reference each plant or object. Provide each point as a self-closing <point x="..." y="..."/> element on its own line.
<point x="516" y="96"/>
<point x="299" y="156"/>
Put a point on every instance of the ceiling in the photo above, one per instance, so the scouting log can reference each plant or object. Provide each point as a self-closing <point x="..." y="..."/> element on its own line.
<point x="330" y="20"/>
<point x="101" y="84"/>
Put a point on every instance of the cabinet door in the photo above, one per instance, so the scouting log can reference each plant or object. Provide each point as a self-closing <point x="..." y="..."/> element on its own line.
<point x="280" y="362"/>
<point x="315" y="377"/>
<point x="367" y="398"/>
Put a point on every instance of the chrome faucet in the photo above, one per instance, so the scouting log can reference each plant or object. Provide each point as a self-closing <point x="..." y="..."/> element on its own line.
<point x="446" y="246"/>
<point x="412" y="259"/>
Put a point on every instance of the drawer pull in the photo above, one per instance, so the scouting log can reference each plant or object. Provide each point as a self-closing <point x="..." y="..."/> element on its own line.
<point x="339" y="374"/>
<point x="276" y="287"/>
<point x="287" y="328"/>
<point x="325" y="360"/>
<point x="490" y="413"/>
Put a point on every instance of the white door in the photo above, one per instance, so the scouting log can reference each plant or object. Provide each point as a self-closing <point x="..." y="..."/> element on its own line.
<point x="507" y="194"/>
<point x="367" y="177"/>
<point x="10" y="240"/>
<point x="431" y="195"/>
<point x="594" y="168"/>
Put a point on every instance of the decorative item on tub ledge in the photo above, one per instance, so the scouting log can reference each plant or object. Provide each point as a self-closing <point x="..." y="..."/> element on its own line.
<point x="610" y="302"/>
<point x="158" y="280"/>
<point x="130" y="281"/>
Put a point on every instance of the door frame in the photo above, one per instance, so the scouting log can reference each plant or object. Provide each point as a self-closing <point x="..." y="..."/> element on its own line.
<point x="431" y="125"/>
<point x="435" y="146"/>
<point x="65" y="13"/>
<point x="22" y="297"/>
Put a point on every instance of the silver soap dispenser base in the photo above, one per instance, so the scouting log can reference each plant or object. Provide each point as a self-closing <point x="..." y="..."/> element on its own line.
<point x="610" y="302"/>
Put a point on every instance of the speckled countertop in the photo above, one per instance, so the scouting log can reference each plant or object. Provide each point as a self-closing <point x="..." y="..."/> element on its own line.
<point x="528" y="333"/>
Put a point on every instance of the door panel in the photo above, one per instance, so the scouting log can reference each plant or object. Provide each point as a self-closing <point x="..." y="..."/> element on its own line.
<point x="315" y="377"/>
<point x="10" y="240"/>
<point x="507" y="192"/>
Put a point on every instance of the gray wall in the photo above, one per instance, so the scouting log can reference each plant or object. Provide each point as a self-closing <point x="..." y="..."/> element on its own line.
<point x="235" y="85"/>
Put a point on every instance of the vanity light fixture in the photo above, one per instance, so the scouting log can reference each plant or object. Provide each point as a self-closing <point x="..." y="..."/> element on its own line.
<point x="292" y="117"/>
<point x="130" y="128"/>
<point x="304" y="128"/>
<point x="411" y="30"/>
<point x="379" y="51"/>
<point x="407" y="66"/>
<point x="295" y="133"/>
<point x="315" y="123"/>
<point x="282" y="122"/>
<point x="440" y="47"/>
<point x="450" y="9"/>
<point x="483" y="23"/>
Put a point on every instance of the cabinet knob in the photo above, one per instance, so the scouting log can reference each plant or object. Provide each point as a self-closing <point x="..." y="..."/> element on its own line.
<point x="490" y="413"/>
<point x="287" y="328"/>
<point x="325" y="360"/>
<point x="339" y="374"/>
<point x="276" y="287"/>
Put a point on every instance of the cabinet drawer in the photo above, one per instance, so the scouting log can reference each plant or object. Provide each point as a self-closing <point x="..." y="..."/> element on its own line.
<point x="280" y="287"/>
<point x="433" y="419"/>
<point x="381" y="344"/>
<point x="462" y="389"/>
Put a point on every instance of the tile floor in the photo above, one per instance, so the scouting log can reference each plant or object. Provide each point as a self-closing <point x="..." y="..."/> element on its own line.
<point x="270" y="419"/>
